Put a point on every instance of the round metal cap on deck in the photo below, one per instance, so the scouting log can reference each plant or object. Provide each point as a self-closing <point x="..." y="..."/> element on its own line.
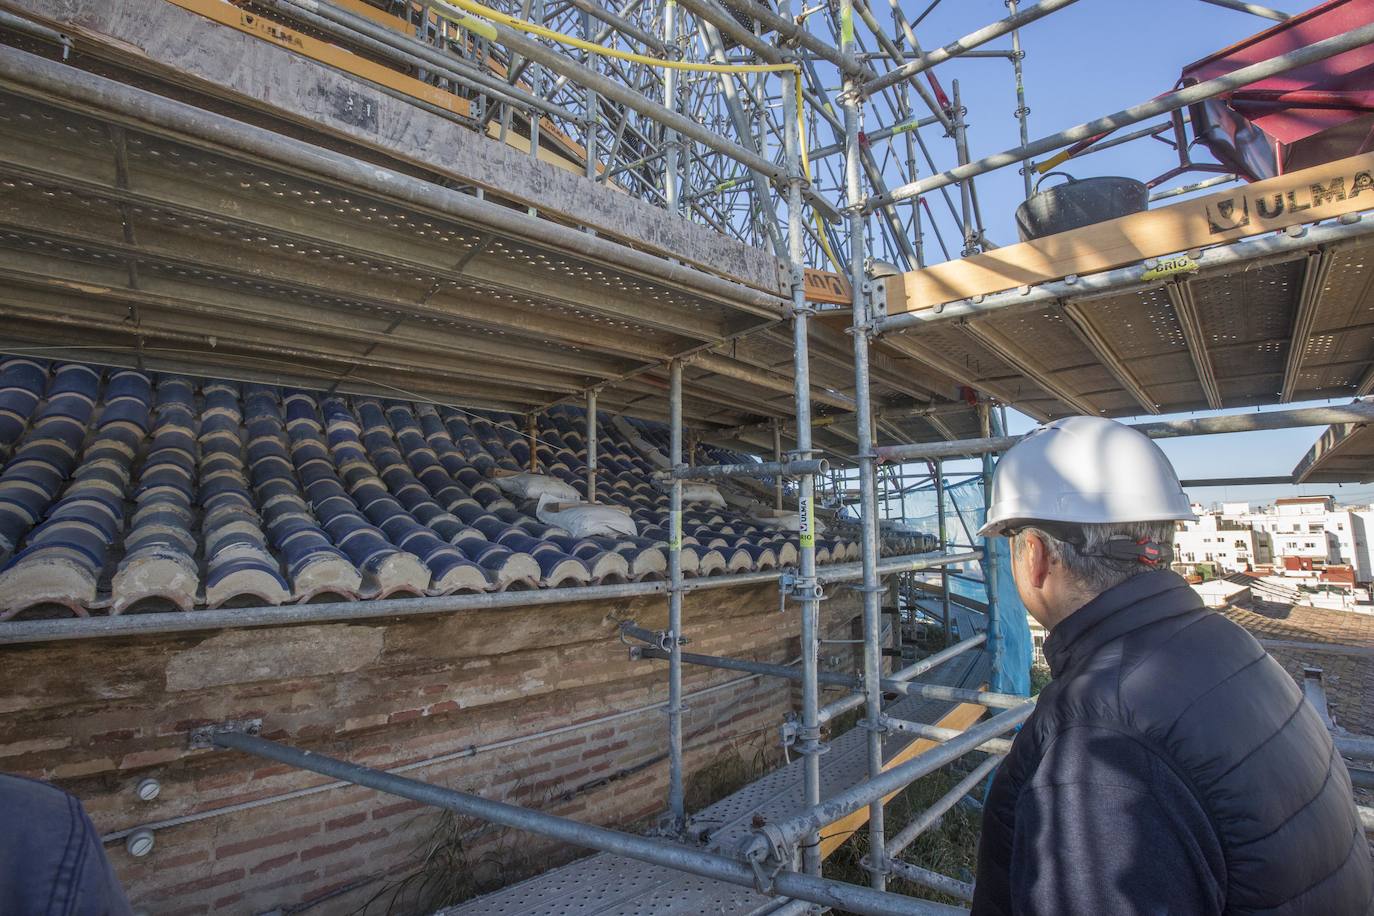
<point x="1084" y="470"/>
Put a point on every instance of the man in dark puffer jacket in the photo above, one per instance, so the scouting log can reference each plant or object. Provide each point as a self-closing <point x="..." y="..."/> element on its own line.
<point x="1171" y="766"/>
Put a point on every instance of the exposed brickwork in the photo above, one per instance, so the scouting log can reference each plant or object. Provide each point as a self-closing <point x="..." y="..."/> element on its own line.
<point x="97" y="717"/>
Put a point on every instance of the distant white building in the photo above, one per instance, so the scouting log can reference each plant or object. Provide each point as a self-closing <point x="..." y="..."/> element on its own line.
<point x="1225" y="545"/>
<point x="1310" y="535"/>
<point x="1297" y="528"/>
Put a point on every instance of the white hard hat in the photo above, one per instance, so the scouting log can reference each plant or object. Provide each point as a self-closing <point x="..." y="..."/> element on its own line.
<point x="1088" y="470"/>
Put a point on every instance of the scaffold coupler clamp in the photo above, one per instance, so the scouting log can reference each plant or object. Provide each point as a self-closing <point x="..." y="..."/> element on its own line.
<point x="809" y="741"/>
<point x="866" y="327"/>
<point x="766" y="858"/>
<point x="872" y="454"/>
<point x="789" y="730"/>
<point x="867" y="864"/>
<point x="878" y="725"/>
<point x="849" y="96"/>
<point x="803" y="740"/>
<point x="655" y="639"/>
<point x="799" y="587"/>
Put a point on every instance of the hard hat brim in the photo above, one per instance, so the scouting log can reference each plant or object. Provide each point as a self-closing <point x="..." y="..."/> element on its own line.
<point x="994" y="527"/>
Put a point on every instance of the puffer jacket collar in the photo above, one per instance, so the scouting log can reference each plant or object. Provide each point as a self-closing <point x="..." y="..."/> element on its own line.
<point x="1141" y="600"/>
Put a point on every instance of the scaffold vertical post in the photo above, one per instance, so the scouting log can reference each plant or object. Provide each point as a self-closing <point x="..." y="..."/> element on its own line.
<point x="990" y="560"/>
<point x="672" y="189"/>
<point x="676" y="805"/>
<point x="592" y="448"/>
<point x="863" y="412"/>
<point x="1022" y="112"/>
<point x="592" y="106"/>
<point x="965" y="187"/>
<point x="939" y="471"/>
<point x="809" y="738"/>
<point x="777" y="442"/>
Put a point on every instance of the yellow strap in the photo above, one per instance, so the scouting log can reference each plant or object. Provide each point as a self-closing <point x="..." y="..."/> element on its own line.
<point x="522" y="25"/>
<point x="1056" y="159"/>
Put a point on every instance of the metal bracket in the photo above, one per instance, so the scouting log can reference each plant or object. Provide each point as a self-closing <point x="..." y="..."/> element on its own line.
<point x="876" y="291"/>
<point x="203" y="738"/>
<point x="878" y="726"/>
<point x="778" y="854"/>
<point x="657" y="639"/>
<point x="789" y="730"/>
<point x="799" y="738"/>
<point x="811" y="745"/>
<point x="866" y="863"/>
<point x="867" y="328"/>
<point x="802" y="588"/>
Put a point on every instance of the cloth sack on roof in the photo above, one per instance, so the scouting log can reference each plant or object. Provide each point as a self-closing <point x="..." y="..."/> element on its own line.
<point x="536" y="486"/>
<point x="694" y="491"/>
<point x="586" y="519"/>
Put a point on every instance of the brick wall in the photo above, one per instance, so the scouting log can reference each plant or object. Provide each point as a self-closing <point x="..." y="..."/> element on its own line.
<point x="96" y="717"/>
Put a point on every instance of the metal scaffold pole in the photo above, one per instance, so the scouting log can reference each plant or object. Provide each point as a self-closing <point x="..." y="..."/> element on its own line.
<point x="1022" y="112"/>
<point x="676" y="804"/>
<point x="830" y="894"/>
<point x="868" y="495"/>
<point x="591" y="445"/>
<point x="777" y="457"/>
<point x="990" y="562"/>
<point x="1357" y="411"/>
<point x="806" y="587"/>
<point x="671" y="186"/>
<point x="938" y="469"/>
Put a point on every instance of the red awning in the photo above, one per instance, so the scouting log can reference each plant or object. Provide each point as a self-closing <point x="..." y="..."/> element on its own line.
<point x="1320" y="111"/>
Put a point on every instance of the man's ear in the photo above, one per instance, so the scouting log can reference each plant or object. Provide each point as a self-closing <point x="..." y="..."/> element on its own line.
<point x="1037" y="558"/>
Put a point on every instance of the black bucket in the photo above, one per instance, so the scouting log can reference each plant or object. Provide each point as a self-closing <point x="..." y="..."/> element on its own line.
<point x="1078" y="203"/>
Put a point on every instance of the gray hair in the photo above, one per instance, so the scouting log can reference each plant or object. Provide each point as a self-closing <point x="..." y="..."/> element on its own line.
<point x="1095" y="574"/>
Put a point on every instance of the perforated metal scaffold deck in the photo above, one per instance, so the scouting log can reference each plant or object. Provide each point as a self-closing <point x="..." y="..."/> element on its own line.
<point x="608" y="885"/>
<point x="161" y="210"/>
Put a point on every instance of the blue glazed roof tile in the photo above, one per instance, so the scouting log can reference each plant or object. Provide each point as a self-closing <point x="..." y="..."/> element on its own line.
<point x="126" y="492"/>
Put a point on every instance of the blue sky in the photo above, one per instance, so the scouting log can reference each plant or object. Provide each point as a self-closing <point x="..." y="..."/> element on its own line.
<point x="1083" y="62"/>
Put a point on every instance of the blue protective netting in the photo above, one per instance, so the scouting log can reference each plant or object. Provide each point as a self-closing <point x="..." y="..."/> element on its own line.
<point x="1010" y="639"/>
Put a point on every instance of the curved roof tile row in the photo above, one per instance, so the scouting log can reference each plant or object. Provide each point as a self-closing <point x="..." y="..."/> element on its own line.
<point x="125" y="491"/>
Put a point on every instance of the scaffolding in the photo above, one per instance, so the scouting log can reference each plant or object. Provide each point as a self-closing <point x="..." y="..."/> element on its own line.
<point x="800" y="137"/>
